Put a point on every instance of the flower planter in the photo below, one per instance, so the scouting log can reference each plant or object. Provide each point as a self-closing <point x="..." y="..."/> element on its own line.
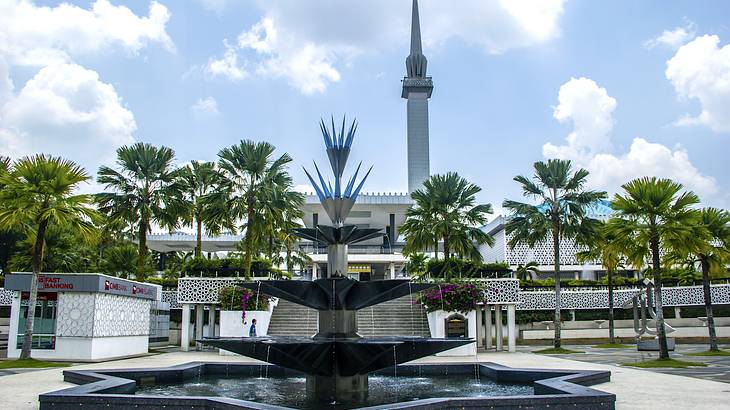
<point x="231" y="324"/>
<point x="438" y="328"/>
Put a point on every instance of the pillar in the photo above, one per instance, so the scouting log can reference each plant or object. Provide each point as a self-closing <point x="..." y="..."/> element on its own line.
<point x="480" y="343"/>
<point x="572" y="315"/>
<point x="314" y="271"/>
<point x="211" y="321"/>
<point x="498" y="324"/>
<point x="392" y="270"/>
<point x="199" y="317"/>
<point x="185" y="328"/>
<point x="677" y="312"/>
<point x="488" y="327"/>
<point x="511" y="335"/>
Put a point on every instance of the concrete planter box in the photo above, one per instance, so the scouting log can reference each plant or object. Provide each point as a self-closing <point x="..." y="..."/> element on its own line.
<point x="231" y="324"/>
<point x="437" y="327"/>
<point x="652" y="345"/>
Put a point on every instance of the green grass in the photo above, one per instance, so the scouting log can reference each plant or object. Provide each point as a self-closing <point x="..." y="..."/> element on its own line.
<point x="553" y="350"/>
<point x="709" y="353"/>
<point x="613" y="346"/>
<point x="29" y="364"/>
<point x="664" y="363"/>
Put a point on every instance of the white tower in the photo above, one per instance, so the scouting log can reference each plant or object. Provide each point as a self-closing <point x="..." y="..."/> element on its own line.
<point x="417" y="88"/>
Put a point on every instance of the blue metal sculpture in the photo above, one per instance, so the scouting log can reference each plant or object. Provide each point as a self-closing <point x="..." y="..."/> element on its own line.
<point x="337" y="203"/>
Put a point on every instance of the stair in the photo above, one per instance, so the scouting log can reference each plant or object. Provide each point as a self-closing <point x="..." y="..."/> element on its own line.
<point x="398" y="317"/>
<point x="290" y="319"/>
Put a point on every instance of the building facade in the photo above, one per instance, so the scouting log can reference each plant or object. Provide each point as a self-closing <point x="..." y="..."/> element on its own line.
<point x="542" y="253"/>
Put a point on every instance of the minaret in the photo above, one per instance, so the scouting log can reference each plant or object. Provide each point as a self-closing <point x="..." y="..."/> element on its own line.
<point x="417" y="89"/>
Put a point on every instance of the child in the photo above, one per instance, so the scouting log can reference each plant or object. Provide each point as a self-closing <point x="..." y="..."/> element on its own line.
<point x="252" y="329"/>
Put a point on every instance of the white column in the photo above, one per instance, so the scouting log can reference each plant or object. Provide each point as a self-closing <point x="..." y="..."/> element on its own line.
<point x="15" y="327"/>
<point x="199" y="314"/>
<point x="185" y="328"/>
<point x="511" y="336"/>
<point x="392" y="270"/>
<point x="479" y="326"/>
<point x="314" y="271"/>
<point x="498" y="324"/>
<point x="211" y="320"/>
<point x="677" y="312"/>
<point x="488" y="327"/>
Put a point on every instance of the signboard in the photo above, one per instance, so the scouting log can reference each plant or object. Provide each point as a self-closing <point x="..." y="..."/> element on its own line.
<point x="60" y="282"/>
<point x="456" y="326"/>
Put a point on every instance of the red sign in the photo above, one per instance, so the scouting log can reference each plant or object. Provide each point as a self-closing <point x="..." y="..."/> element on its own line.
<point x="53" y="282"/>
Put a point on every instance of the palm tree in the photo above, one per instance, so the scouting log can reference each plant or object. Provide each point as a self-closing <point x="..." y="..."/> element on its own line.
<point x="560" y="214"/>
<point x="249" y="177"/>
<point x="278" y="213"/>
<point x="416" y="265"/>
<point x="445" y="210"/>
<point x="713" y="256"/>
<point x="603" y="246"/>
<point x="652" y="215"/>
<point x="196" y="181"/>
<point x="527" y="271"/>
<point x="120" y="260"/>
<point x="288" y="240"/>
<point x="144" y="192"/>
<point x="39" y="192"/>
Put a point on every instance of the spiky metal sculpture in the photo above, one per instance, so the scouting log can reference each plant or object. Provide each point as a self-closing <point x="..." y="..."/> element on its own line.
<point x="337" y="202"/>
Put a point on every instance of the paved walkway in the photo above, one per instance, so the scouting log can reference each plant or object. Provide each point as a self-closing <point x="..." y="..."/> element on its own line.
<point x="634" y="388"/>
<point x="718" y="368"/>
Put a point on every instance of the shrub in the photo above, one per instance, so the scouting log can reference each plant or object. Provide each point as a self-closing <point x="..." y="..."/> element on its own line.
<point x="166" y="283"/>
<point x="464" y="268"/>
<point x="459" y="297"/>
<point x="238" y="298"/>
<point x="233" y="266"/>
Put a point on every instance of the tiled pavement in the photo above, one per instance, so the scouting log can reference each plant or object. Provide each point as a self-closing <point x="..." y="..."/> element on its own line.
<point x="718" y="368"/>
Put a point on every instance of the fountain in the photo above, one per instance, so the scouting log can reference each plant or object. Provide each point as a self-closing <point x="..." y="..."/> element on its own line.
<point x="336" y="368"/>
<point x="337" y="359"/>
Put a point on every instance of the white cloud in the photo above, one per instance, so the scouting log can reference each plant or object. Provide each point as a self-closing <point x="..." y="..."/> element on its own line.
<point x="6" y="83"/>
<point x="35" y="35"/>
<point x="206" y="106"/>
<point x="673" y="38"/>
<point x="66" y="110"/>
<point x="217" y="6"/>
<point x="590" y="109"/>
<point x="227" y="66"/>
<point x="701" y="69"/>
<point x="307" y="43"/>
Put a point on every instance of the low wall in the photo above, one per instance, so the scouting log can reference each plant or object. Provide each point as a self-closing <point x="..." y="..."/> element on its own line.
<point x="437" y="323"/>
<point x="231" y="325"/>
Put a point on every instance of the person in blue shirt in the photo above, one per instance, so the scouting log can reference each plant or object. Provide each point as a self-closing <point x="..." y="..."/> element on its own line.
<point x="252" y="329"/>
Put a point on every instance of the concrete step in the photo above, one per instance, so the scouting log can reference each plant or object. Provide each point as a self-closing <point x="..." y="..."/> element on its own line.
<point x="399" y="317"/>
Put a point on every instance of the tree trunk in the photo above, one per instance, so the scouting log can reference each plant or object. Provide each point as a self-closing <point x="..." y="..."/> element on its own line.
<point x="37" y="262"/>
<point x="661" y="331"/>
<point x="611" y="335"/>
<point x="556" y="318"/>
<point x="289" y="268"/>
<point x="708" y="303"/>
<point x="250" y="214"/>
<point x="436" y="249"/>
<point x="199" y="238"/>
<point x="142" y="257"/>
<point x="447" y="248"/>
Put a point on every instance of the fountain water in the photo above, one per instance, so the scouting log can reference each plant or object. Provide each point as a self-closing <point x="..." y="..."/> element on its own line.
<point x="337" y="359"/>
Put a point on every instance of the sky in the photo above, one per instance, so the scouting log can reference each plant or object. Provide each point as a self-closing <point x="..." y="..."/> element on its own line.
<point x="623" y="88"/>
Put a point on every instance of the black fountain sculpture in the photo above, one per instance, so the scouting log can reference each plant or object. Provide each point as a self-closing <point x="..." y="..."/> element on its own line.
<point x="337" y="359"/>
